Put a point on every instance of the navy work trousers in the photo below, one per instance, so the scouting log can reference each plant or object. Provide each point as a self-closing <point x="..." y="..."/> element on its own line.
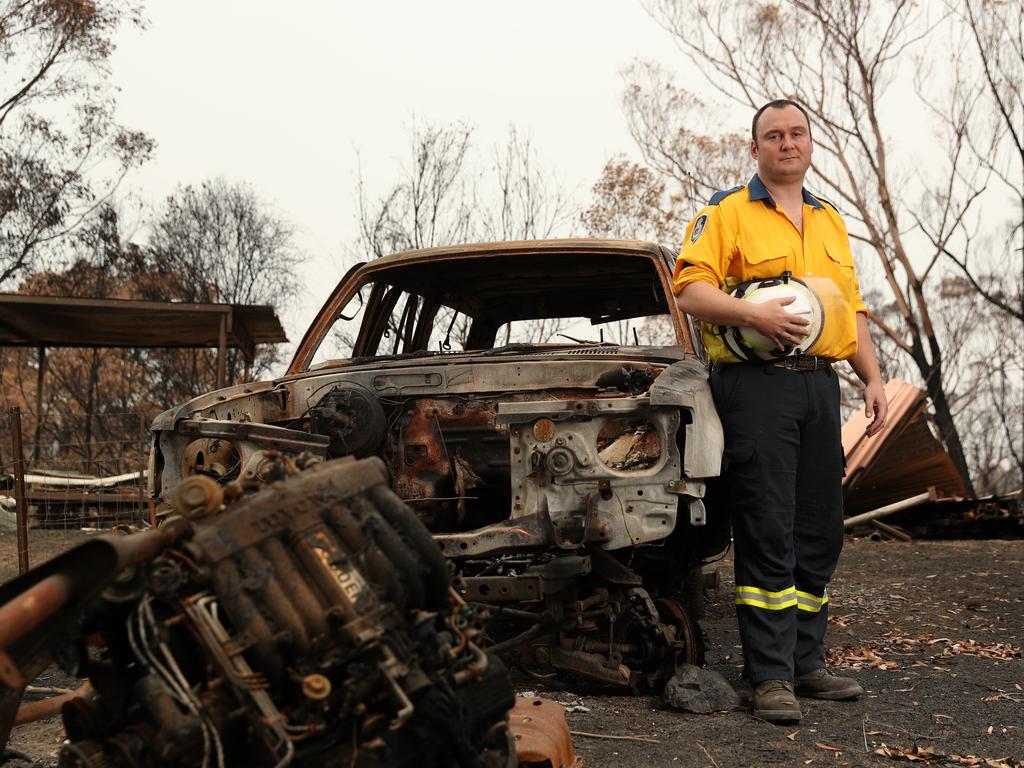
<point x="783" y="473"/>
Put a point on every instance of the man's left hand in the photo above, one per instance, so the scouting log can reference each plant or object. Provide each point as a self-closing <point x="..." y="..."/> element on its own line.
<point x="875" y="408"/>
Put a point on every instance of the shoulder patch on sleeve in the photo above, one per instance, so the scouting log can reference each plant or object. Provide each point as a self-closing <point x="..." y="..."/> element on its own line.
<point x="698" y="227"/>
<point x="720" y="196"/>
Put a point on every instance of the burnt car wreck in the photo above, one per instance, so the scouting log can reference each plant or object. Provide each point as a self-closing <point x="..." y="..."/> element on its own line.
<point x="543" y="409"/>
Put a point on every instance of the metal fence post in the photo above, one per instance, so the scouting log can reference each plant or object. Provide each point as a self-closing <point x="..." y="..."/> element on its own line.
<point x="19" y="489"/>
<point x="141" y="434"/>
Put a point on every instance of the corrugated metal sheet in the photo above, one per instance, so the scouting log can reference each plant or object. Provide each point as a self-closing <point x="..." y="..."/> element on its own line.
<point x="903" y="460"/>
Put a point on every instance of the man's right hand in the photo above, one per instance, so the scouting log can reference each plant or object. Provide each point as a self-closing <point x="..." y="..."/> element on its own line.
<point x="772" y="321"/>
<point x="706" y="302"/>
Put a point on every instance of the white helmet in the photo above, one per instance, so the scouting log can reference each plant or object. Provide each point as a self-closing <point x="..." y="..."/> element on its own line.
<point x="749" y="344"/>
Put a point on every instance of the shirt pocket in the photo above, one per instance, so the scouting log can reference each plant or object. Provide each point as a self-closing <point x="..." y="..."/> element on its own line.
<point x="840" y="268"/>
<point x="839" y="255"/>
<point x="765" y="258"/>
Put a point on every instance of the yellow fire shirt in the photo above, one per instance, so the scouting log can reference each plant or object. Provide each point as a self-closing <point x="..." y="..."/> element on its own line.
<point x="741" y="235"/>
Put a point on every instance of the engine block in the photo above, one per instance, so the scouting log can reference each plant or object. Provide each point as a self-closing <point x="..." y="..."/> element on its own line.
<point x="305" y="619"/>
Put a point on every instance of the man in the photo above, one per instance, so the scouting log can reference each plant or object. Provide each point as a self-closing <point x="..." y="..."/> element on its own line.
<point x="783" y="462"/>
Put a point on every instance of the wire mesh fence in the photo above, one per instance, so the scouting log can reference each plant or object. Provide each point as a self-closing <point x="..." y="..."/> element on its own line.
<point x="83" y="473"/>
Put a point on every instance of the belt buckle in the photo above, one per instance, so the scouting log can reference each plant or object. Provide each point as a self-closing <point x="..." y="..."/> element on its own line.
<point x="790" y="363"/>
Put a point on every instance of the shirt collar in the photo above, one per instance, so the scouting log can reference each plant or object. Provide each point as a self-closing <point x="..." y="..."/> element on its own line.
<point x="758" y="191"/>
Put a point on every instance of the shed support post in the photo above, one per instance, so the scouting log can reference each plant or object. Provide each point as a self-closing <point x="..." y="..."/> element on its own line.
<point x="222" y="345"/>
<point x="40" y="383"/>
<point x="21" y="507"/>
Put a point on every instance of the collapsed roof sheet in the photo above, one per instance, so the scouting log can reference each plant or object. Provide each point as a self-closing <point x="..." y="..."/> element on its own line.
<point x="902" y="460"/>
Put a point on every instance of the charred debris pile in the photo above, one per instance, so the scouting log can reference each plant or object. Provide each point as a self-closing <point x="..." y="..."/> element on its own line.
<point x="902" y="484"/>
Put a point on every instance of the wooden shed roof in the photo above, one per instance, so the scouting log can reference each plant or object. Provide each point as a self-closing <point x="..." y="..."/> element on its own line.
<point x="56" y="321"/>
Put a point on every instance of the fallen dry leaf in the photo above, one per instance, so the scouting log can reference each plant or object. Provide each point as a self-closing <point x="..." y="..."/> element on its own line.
<point x="858" y="658"/>
<point x="896" y="642"/>
<point x="792" y="736"/>
<point x="823" y="745"/>
<point x="998" y="651"/>
<point x="930" y="756"/>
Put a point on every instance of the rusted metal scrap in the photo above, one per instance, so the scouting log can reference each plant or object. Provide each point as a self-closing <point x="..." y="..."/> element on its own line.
<point x="903" y="460"/>
<point x="31" y="711"/>
<point x="904" y="473"/>
<point x="303" y="619"/>
<point x="542" y="734"/>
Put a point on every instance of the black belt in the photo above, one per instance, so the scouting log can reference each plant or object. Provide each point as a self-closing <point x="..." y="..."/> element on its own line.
<point x="802" y="363"/>
<point x="794" y="363"/>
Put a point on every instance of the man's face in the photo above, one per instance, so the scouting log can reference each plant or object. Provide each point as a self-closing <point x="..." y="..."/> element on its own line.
<point x="783" y="145"/>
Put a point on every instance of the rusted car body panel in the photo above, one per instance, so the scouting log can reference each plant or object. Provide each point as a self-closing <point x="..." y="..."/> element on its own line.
<point x="527" y="459"/>
<point x="542" y="734"/>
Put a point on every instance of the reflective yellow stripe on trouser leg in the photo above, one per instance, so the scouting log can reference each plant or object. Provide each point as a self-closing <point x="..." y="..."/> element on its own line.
<point x="805" y="601"/>
<point x="762" y="598"/>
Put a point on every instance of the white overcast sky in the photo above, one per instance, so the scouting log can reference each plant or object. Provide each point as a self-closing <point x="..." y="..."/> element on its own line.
<point x="284" y="95"/>
<point x="291" y="97"/>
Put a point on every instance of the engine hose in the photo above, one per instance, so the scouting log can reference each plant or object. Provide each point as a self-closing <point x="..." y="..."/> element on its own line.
<point x="474" y="670"/>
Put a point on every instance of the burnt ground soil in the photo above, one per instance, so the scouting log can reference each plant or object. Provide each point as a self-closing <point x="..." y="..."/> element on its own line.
<point x="933" y="630"/>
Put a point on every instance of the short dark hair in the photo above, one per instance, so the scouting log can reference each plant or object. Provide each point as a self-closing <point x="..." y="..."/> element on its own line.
<point x="777" y="104"/>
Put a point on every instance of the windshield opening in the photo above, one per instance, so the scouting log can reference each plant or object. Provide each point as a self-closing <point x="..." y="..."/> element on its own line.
<point x="483" y="303"/>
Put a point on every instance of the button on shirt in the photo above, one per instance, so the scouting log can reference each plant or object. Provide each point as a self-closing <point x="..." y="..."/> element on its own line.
<point x="743" y="235"/>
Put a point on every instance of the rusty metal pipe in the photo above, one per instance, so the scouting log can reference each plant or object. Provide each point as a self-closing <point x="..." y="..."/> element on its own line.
<point x="519" y="639"/>
<point x="475" y="669"/>
<point x="10" y="695"/>
<point x="33" y="603"/>
<point x="28" y="610"/>
<point x="32" y="711"/>
<point x="34" y="606"/>
<point x="139" y="547"/>
<point x="597" y="646"/>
